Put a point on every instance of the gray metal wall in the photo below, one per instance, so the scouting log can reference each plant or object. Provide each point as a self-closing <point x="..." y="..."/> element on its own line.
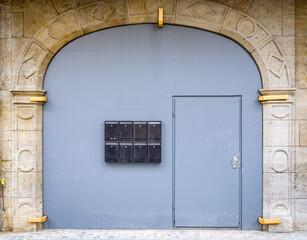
<point x="132" y="73"/>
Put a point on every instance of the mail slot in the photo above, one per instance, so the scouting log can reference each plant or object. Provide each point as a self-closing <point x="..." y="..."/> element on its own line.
<point x="154" y="131"/>
<point x="140" y="152"/>
<point x="111" y="131"/>
<point x="154" y="152"/>
<point x="125" y="152"/>
<point x="140" y="131"/>
<point x="111" y="152"/>
<point x="125" y="131"/>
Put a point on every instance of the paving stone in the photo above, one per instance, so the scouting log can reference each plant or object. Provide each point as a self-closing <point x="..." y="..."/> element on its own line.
<point x="153" y="235"/>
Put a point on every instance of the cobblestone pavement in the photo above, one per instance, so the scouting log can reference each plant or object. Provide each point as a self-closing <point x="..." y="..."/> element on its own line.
<point x="154" y="235"/>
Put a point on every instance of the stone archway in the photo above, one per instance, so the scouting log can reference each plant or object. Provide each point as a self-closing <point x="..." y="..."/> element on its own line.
<point x="278" y="129"/>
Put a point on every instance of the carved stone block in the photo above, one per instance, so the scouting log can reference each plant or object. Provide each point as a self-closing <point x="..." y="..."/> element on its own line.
<point x="102" y="15"/>
<point x="201" y="13"/>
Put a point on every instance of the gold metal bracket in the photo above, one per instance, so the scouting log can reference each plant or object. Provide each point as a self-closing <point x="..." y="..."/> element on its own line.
<point x="160" y="20"/>
<point x="38" y="99"/>
<point x="273" y="98"/>
<point x="268" y="221"/>
<point x="37" y="220"/>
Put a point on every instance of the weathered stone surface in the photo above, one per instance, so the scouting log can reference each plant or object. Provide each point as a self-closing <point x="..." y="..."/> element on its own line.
<point x="288" y="27"/>
<point x="36" y="15"/>
<point x="268" y="13"/>
<point x="17" y="5"/>
<point x="300" y="214"/>
<point x="301" y="8"/>
<point x="17" y="24"/>
<point x="276" y="133"/>
<point x="62" y="6"/>
<point x="276" y="185"/>
<point x="300" y="25"/>
<point x="5" y="21"/>
<point x="301" y="61"/>
<point x="300" y="185"/>
<point x="5" y="63"/>
<point x="301" y="104"/>
<point x="303" y="133"/>
<point x="241" y="5"/>
<point x="6" y="150"/>
<point x="301" y="159"/>
<point x="5" y="109"/>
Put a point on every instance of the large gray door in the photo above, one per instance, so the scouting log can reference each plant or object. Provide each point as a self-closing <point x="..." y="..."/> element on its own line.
<point x="207" y="169"/>
<point x="132" y="73"/>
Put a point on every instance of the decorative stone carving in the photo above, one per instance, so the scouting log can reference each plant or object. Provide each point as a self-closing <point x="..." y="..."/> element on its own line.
<point x="278" y="71"/>
<point x="24" y="209"/>
<point x="279" y="162"/>
<point x="243" y="28"/>
<point x="103" y="14"/>
<point x="25" y="112"/>
<point x="59" y="31"/>
<point x="280" y="111"/>
<point x="31" y="61"/>
<point x="204" y="14"/>
<point x="145" y="11"/>
<point x="26" y="162"/>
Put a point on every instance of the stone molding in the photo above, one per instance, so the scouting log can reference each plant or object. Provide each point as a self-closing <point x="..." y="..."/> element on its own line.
<point x="279" y="131"/>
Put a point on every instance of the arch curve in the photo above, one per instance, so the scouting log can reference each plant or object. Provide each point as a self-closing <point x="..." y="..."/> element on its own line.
<point x="205" y="15"/>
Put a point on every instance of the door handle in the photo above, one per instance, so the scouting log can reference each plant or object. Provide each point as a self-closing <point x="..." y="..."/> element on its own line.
<point x="234" y="162"/>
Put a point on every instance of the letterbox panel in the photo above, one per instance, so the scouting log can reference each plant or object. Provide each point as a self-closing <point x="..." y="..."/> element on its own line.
<point x="140" y="131"/>
<point x="125" y="152"/>
<point x="140" y="152"/>
<point x="154" y="131"/>
<point x="154" y="152"/>
<point x="125" y="131"/>
<point x="111" y="131"/>
<point x="111" y="152"/>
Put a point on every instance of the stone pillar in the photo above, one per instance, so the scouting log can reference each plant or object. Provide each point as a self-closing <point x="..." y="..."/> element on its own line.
<point x="278" y="160"/>
<point x="27" y="160"/>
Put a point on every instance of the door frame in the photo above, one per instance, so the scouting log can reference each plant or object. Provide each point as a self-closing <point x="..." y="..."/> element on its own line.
<point x="174" y="162"/>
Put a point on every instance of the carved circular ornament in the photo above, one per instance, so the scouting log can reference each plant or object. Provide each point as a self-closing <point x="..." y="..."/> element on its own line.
<point x="247" y="27"/>
<point x="25" y="112"/>
<point x="280" y="161"/>
<point x="57" y="29"/>
<point x="25" y="160"/>
<point x="25" y="209"/>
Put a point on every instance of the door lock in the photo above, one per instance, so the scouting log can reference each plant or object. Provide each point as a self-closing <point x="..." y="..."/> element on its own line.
<point x="234" y="162"/>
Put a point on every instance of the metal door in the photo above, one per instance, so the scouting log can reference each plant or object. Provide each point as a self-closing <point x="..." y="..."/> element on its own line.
<point x="131" y="73"/>
<point x="207" y="161"/>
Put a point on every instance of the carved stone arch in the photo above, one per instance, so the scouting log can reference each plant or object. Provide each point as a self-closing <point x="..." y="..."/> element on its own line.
<point x="278" y="132"/>
<point x="205" y="15"/>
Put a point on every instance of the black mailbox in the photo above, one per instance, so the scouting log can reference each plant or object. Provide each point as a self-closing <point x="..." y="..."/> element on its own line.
<point x="111" y="131"/>
<point x="140" y="131"/>
<point x="154" y="152"/>
<point x="140" y="152"/>
<point x="125" y="131"/>
<point x="125" y="152"/>
<point x="154" y="131"/>
<point x="111" y="152"/>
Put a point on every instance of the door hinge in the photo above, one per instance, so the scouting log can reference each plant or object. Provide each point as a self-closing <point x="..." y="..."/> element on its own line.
<point x="173" y="206"/>
<point x="174" y="115"/>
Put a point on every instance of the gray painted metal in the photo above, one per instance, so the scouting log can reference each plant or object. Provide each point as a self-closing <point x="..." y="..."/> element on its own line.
<point x="207" y="179"/>
<point x="131" y="73"/>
